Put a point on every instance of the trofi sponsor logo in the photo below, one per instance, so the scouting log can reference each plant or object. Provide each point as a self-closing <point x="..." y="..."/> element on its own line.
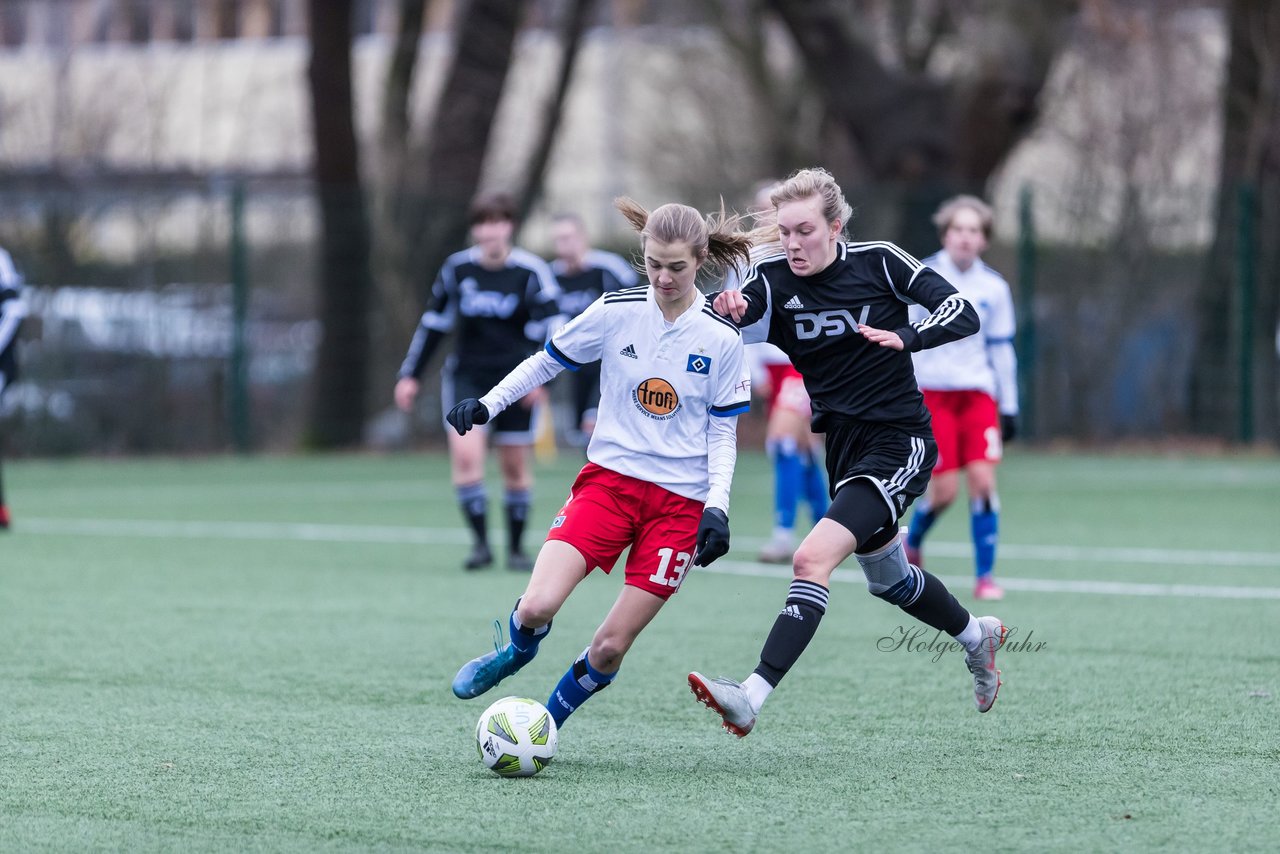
<point x="656" y="398"/>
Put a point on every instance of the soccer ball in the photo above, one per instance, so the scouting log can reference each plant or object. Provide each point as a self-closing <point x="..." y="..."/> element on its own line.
<point x="516" y="737"/>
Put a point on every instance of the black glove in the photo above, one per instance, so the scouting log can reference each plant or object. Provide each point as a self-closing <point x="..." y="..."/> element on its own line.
<point x="1008" y="428"/>
<point x="713" y="537"/>
<point x="466" y="415"/>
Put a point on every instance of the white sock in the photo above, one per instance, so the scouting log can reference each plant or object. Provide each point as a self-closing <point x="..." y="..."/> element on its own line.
<point x="757" y="691"/>
<point x="971" y="635"/>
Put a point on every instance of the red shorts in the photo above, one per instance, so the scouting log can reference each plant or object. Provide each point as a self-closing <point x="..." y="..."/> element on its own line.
<point x="966" y="425"/>
<point x="787" y="390"/>
<point x="606" y="512"/>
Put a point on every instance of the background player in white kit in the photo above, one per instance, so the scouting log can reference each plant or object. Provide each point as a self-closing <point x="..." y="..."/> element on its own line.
<point x="971" y="389"/>
<point x="672" y="381"/>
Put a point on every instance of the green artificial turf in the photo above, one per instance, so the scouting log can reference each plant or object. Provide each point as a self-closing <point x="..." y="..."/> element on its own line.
<point x="255" y="654"/>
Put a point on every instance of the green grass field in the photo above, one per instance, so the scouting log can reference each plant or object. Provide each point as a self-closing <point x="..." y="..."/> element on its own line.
<point x="256" y="654"/>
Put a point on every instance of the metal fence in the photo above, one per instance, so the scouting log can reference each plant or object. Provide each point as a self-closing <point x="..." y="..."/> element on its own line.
<point x="184" y="321"/>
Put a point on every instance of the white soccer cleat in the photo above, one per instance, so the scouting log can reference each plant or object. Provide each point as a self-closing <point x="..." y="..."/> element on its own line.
<point x="726" y="698"/>
<point x="982" y="662"/>
<point x="780" y="548"/>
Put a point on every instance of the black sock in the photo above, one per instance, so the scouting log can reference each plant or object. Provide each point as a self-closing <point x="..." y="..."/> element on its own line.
<point x="937" y="608"/>
<point x="517" y="501"/>
<point x="792" y="630"/>
<point x="475" y="504"/>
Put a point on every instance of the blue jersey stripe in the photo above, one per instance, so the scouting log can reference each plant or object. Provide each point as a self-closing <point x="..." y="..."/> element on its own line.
<point x="730" y="409"/>
<point x="560" y="357"/>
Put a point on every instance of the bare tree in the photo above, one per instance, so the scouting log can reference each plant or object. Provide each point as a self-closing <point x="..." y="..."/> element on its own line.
<point x="786" y="107"/>
<point x="571" y="32"/>
<point x="485" y="40"/>
<point x="341" y="374"/>
<point x="1248" y="199"/>
<point x="931" y="135"/>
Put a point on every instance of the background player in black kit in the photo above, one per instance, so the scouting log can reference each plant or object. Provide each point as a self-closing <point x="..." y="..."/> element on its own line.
<point x="12" y="310"/>
<point x="839" y="310"/>
<point x="584" y="275"/>
<point x="500" y="300"/>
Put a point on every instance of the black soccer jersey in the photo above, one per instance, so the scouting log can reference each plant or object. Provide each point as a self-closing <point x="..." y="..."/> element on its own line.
<point x="12" y="310"/>
<point x="814" y="320"/>
<point x="602" y="273"/>
<point x="500" y="316"/>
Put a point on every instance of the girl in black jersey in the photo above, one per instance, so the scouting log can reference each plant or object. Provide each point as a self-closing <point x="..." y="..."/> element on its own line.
<point x="12" y="310"/>
<point x="839" y="310"/>
<point x="500" y="301"/>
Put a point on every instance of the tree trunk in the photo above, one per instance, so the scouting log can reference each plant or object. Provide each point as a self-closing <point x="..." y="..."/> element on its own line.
<point x="395" y="96"/>
<point x="338" y="406"/>
<point x="930" y="137"/>
<point x="575" y="25"/>
<point x="485" y="40"/>
<point x="396" y="198"/>
<point x="1246" y="240"/>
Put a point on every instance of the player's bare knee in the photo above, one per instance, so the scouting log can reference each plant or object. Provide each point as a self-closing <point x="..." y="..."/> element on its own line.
<point x="535" y="610"/>
<point x="808" y="564"/>
<point x="943" y="496"/>
<point x="607" y="651"/>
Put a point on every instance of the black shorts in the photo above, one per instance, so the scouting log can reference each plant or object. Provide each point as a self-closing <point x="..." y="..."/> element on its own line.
<point x="897" y="463"/>
<point x="512" y="426"/>
<point x="8" y="366"/>
<point x="586" y="391"/>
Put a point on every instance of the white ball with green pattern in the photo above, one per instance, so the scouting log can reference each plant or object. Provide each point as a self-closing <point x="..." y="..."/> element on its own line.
<point x="516" y="737"/>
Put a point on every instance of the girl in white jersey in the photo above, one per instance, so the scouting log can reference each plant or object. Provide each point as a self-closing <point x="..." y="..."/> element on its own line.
<point x="971" y="389"/>
<point x="673" y="381"/>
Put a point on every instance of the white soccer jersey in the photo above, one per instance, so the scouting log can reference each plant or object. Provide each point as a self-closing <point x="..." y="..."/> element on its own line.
<point x="985" y="361"/>
<point x="659" y="386"/>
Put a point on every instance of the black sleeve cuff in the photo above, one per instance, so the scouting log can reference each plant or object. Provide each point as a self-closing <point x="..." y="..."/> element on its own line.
<point x="910" y="339"/>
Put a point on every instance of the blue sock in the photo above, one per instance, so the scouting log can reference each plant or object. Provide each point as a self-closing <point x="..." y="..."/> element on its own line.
<point x="576" y="686"/>
<point x="815" y="487"/>
<point x="523" y="639"/>
<point x="921" y="522"/>
<point x="788" y="473"/>
<point x="984" y="523"/>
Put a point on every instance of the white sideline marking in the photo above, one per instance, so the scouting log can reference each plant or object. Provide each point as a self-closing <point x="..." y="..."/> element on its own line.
<point x="392" y="534"/>
<point x="1114" y="554"/>
<point x="1036" y="585"/>
<point x="315" y="532"/>
<point x="300" y="531"/>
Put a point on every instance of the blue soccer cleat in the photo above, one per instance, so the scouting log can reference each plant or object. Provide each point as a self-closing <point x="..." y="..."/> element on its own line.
<point x="480" y="674"/>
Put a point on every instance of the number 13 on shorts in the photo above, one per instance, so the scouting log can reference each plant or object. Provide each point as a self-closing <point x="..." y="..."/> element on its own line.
<point x="672" y="566"/>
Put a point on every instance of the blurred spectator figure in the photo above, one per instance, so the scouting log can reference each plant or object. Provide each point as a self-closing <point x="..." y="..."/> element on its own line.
<point x="970" y="387"/>
<point x="792" y="447"/>
<point x="584" y="274"/>
<point x="12" y="310"/>
<point x="500" y="300"/>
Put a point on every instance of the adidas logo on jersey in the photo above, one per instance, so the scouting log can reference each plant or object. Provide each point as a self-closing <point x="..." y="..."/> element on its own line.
<point x="793" y="303"/>
<point x="792" y="611"/>
<point x="629" y="351"/>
